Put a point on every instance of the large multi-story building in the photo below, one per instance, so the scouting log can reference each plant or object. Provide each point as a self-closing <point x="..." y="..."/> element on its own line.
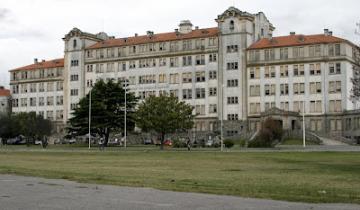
<point x="39" y="88"/>
<point x="234" y="72"/>
<point x="5" y="105"/>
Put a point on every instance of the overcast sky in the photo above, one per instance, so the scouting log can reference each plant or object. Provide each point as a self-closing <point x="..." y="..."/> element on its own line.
<point x="33" y="28"/>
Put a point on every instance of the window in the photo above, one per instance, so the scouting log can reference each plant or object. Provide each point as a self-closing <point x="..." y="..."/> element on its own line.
<point x="174" y="93"/>
<point x="298" y="106"/>
<point x="233" y="83"/>
<point x="334" y="68"/>
<point x="50" y="100"/>
<point x="311" y="51"/>
<point x="213" y="91"/>
<point x="110" y="67"/>
<point x="284" y="106"/>
<point x="254" y="73"/>
<point x="74" y="92"/>
<point x="232" y="66"/>
<point x="232" y="100"/>
<point x="187" y="45"/>
<point x="147" y="79"/>
<point x="24" y="102"/>
<point x="32" y="101"/>
<point x="89" y="68"/>
<point x="232" y="117"/>
<point x="187" y="77"/>
<point x="315" y="87"/>
<point x="200" y="93"/>
<point x="212" y="108"/>
<point x="200" y="109"/>
<point x="335" y="106"/>
<point x="269" y="90"/>
<point x="73" y="106"/>
<point x="187" y="93"/>
<point x="174" y="46"/>
<point x="200" y="76"/>
<point x="284" y="89"/>
<point x="231" y="25"/>
<point x="315" y="69"/>
<point x="270" y="72"/>
<point x="212" y="58"/>
<point x="187" y="60"/>
<point x="50" y="115"/>
<point x="174" y="78"/>
<point x="200" y="60"/>
<point x="33" y="88"/>
<point x="162" y="46"/>
<point x="299" y="88"/>
<point x="254" y="90"/>
<point x="74" y="43"/>
<point x="74" y="63"/>
<point x="255" y="108"/>
<point x="269" y="105"/>
<point x="59" y="114"/>
<point x="284" y="71"/>
<point x="59" y="86"/>
<point x="212" y="41"/>
<point x="335" y="87"/>
<point x="298" y="52"/>
<point x="89" y="83"/>
<point x="74" y="77"/>
<point x="284" y="54"/>
<point x="299" y="70"/>
<point x="59" y="100"/>
<point x="315" y="106"/>
<point x="212" y="75"/>
<point x="50" y="86"/>
<point x="174" y="62"/>
<point x="232" y="48"/>
<point x="162" y="78"/>
<point x="162" y="61"/>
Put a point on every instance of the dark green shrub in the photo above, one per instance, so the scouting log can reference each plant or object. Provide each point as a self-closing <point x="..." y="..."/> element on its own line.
<point x="229" y="143"/>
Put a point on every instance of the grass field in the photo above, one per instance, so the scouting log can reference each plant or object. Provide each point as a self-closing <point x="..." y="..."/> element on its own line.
<point x="296" y="176"/>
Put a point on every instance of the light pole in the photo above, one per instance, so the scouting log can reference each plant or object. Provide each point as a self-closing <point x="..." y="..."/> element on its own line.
<point x="89" y="119"/>
<point x="303" y="116"/>
<point x="125" y="115"/>
<point x="222" y="121"/>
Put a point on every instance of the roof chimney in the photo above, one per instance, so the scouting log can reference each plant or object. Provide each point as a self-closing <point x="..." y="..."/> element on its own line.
<point x="196" y="27"/>
<point x="270" y="36"/>
<point x="176" y="30"/>
<point x="2" y="88"/>
<point x="326" y="32"/>
<point x="136" y="35"/>
<point x="150" y="33"/>
<point x="292" y="33"/>
<point x="43" y="60"/>
<point x="35" y="60"/>
<point x="330" y="33"/>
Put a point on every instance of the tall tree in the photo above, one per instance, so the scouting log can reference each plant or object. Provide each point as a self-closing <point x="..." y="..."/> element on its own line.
<point x="164" y="115"/>
<point x="107" y="110"/>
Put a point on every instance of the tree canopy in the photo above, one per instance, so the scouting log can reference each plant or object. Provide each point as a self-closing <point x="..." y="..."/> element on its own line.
<point x="164" y="115"/>
<point x="107" y="110"/>
<point x="30" y="125"/>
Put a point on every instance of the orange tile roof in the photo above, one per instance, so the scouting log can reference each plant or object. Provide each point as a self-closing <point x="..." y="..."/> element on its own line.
<point x="171" y="36"/>
<point x="295" y="40"/>
<point x="43" y="65"/>
<point x="4" y="92"/>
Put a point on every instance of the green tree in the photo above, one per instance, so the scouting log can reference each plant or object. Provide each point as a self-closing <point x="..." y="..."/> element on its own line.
<point x="107" y="110"/>
<point x="30" y="125"/>
<point x="164" y="115"/>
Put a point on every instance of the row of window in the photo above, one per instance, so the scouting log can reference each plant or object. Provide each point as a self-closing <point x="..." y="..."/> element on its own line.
<point x="37" y="74"/>
<point x="298" y="106"/>
<point x="298" y="70"/>
<point x="298" y="88"/>
<point x="148" y="63"/>
<point x="198" y="44"/>
<point x="296" y="52"/>
<point x="32" y="102"/>
<point x="37" y="87"/>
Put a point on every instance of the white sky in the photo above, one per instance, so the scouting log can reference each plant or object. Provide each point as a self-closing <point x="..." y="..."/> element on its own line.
<point x="33" y="28"/>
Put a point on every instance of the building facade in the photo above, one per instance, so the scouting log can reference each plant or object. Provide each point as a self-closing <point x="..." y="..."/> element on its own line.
<point x="234" y="72"/>
<point x="39" y="88"/>
<point x="5" y="101"/>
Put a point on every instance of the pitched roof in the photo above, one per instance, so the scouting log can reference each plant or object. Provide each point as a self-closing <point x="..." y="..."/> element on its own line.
<point x="171" y="36"/>
<point x="4" y="92"/>
<point x="295" y="40"/>
<point x="43" y="65"/>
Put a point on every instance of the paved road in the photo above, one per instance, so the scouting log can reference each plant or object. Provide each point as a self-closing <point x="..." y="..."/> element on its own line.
<point x="28" y="193"/>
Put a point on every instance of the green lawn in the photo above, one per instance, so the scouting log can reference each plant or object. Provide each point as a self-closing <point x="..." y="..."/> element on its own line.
<point x="296" y="176"/>
<point x="297" y="142"/>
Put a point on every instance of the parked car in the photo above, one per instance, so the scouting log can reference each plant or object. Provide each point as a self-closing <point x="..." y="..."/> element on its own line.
<point x="168" y="142"/>
<point x="148" y="141"/>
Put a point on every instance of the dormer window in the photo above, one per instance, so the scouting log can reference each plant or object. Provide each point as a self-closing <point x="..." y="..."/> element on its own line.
<point x="232" y="25"/>
<point x="74" y="43"/>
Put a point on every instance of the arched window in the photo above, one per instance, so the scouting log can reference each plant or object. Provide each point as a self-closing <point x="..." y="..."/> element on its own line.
<point x="232" y="26"/>
<point x="74" y="43"/>
<point x="262" y="32"/>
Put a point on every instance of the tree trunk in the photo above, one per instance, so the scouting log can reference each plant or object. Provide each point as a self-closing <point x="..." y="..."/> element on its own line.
<point x="106" y="140"/>
<point x="162" y="139"/>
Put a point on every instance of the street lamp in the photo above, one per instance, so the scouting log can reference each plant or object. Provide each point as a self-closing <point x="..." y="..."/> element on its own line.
<point x="222" y="120"/>
<point x="125" y="111"/>
<point x="303" y="116"/>
<point x="89" y="119"/>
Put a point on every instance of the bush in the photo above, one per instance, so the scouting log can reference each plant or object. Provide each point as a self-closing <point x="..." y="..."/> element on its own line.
<point x="179" y="144"/>
<point x="229" y="143"/>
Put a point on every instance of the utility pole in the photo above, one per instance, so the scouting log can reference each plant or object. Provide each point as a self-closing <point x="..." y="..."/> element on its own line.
<point x="303" y="116"/>
<point x="222" y="121"/>
<point x="90" y="119"/>
<point x="126" y="83"/>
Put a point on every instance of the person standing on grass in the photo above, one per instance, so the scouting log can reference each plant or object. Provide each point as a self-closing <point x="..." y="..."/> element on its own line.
<point x="101" y="144"/>
<point x="188" y="144"/>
